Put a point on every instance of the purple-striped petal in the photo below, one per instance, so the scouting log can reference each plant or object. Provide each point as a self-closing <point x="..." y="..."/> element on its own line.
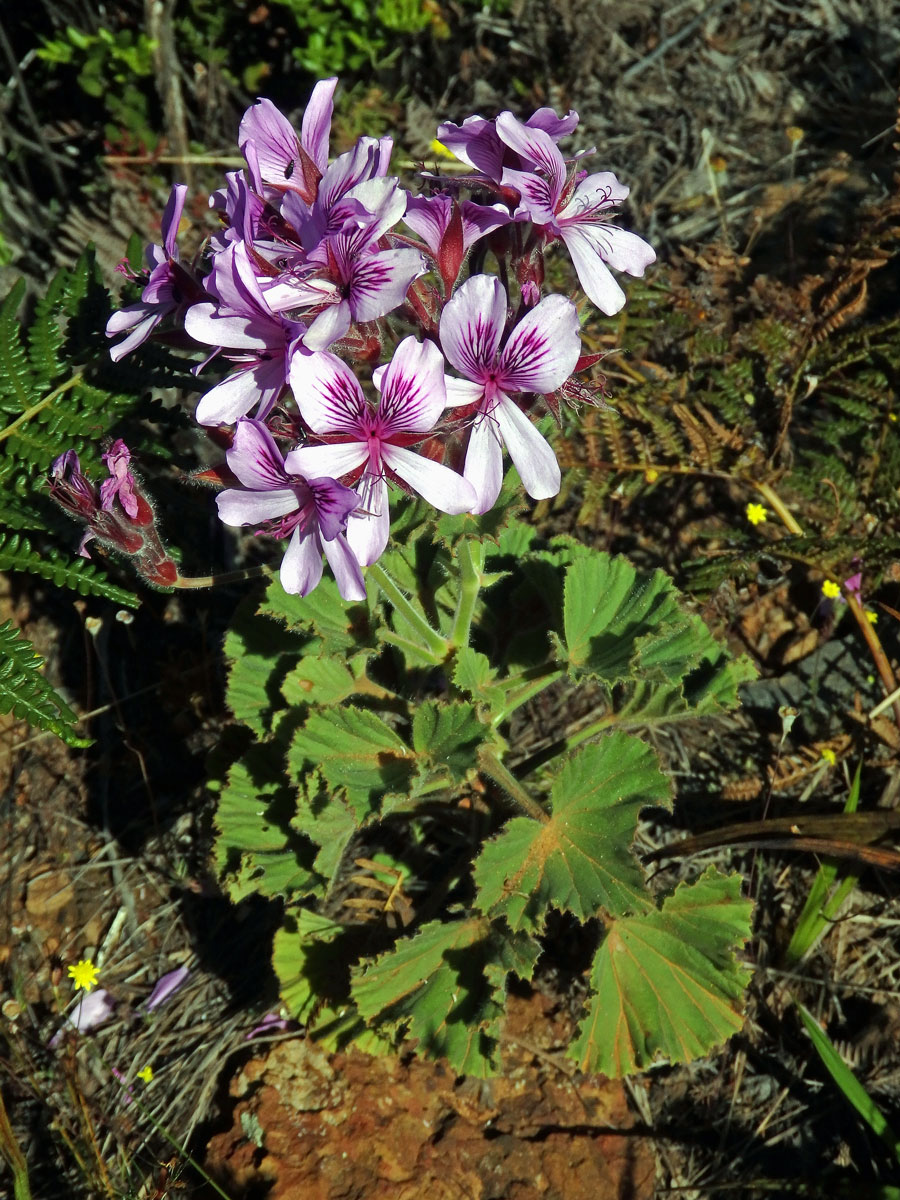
<point x="259" y="383"/>
<point x="437" y="484"/>
<point x="378" y="282"/>
<point x="328" y="395"/>
<point x="534" y="145"/>
<point x="413" y="393"/>
<point x="472" y="325"/>
<point x="542" y="349"/>
<point x="254" y="457"/>
<point x="172" y="217"/>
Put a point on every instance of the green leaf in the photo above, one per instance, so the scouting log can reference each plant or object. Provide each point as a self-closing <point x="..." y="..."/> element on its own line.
<point x="322" y="681"/>
<point x="580" y="861"/>
<point x="608" y="608"/>
<point x="853" y="1091"/>
<point x="666" y="983"/>
<point x="260" y="653"/>
<point x="448" y="735"/>
<point x="303" y="957"/>
<point x="474" y="674"/>
<point x="329" y="820"/>
<point x="26" y="693"/>
<point x="256" y="849"/>
<point x="432" y="987"/>
<point x="354" y="749"/>
<point x="322" y="612"/>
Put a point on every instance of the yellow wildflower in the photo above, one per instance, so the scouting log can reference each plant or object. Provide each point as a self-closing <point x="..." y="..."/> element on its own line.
<point x="441" y="150"/>
<point x="830" y="589"/>
<point x="651" y="475"/>
<point x="756" y="513"/>
<point x="829" y="755"/>
<point x="146" y="1074"/>
<point x="871" y="617"/>
<point x="83" y="974"/>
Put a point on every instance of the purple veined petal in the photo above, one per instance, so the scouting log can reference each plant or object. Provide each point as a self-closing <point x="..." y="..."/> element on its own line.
<point x="301" y="567"/>
<point x="369" y="528"/>
<point x="542" y="349"/>
<point x="379" y="282"/>
<point x="367" y="160"/>
<point x="316" y="128"/>
<point x="258" y="383"/>
<point x="328" y="395"/>
<point x="166" y="987"/>
<point x="274" y="141"/>
<point x="345" y="568"/>
<point x="534" y="146"/>
<point x="330" y="324"/>
<point x="539" y="196"/>
<point x="292" y="293"/>
<point x="461" y="392"/>
<point x="237" y="507"/>
<point x="428" y="218"/>
<point x="472" y="325"/>
<point x="593" y="274"/>
<point x="334" y="503"/>
<point x="172" y="217"/>
<point x="255" y="458"/>
<point x="484" y="462"/>
<point x="530" y="451"/>
<point x="413" y="394"/>
<point x="334" y="460"/>
<point x="479" y="219"/>
<point x="439" y="485"/>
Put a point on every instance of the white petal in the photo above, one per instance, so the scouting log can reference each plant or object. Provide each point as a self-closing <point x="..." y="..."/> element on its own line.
<point x="332" y="461"/>
<point x="529" y="450"/>
<point x="593" y="273"/>
<point x="301" y="567"/>
<point x="462" y="391"/>
<point x="345" y="568"/>
<point x="252" y="508"/>
<point x="369" y="528"/>
<point x="484" y="463"/>
<point x="437" y="484"/>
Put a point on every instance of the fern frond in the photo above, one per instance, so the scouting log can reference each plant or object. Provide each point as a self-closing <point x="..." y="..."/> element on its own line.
<point x="15" y="375"/>
<point x="17" y="554"/>
<point x="26" y="693"/>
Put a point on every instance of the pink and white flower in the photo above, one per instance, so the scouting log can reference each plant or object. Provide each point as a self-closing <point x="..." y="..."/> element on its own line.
<point x="538" y="356"/>
<point x="575" y="210"/>
<point x="312" y="511"/>
<point x="372" y="442"/>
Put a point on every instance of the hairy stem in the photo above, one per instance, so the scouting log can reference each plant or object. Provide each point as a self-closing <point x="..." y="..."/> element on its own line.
<point x="491" y="766"/>
<point x="435" y="646"/>
<point x="471" y="556"/>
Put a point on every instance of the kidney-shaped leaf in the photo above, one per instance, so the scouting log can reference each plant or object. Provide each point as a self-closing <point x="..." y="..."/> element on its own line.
<point x="666" y="983"/>
<point x="580" y="861"/>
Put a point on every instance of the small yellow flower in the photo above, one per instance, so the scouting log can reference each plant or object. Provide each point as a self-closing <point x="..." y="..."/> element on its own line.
<point x="871" y="617"/>
<point x="829" y="755"/>
<point x="83" y="974"/>
<point x="830" y="589"/>
<point x="441" y="150"/>
<point x="651" y="475"/>
<point x="146" y="1074"/>
<point x="756" y="513"/>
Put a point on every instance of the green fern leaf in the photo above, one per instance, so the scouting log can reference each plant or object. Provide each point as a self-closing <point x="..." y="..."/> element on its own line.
<point x="26" y="693"/>
<point x="17" y="554"/>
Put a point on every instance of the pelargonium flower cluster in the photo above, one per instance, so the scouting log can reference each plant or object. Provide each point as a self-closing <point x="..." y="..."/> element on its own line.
<point x="361" y="355"/>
